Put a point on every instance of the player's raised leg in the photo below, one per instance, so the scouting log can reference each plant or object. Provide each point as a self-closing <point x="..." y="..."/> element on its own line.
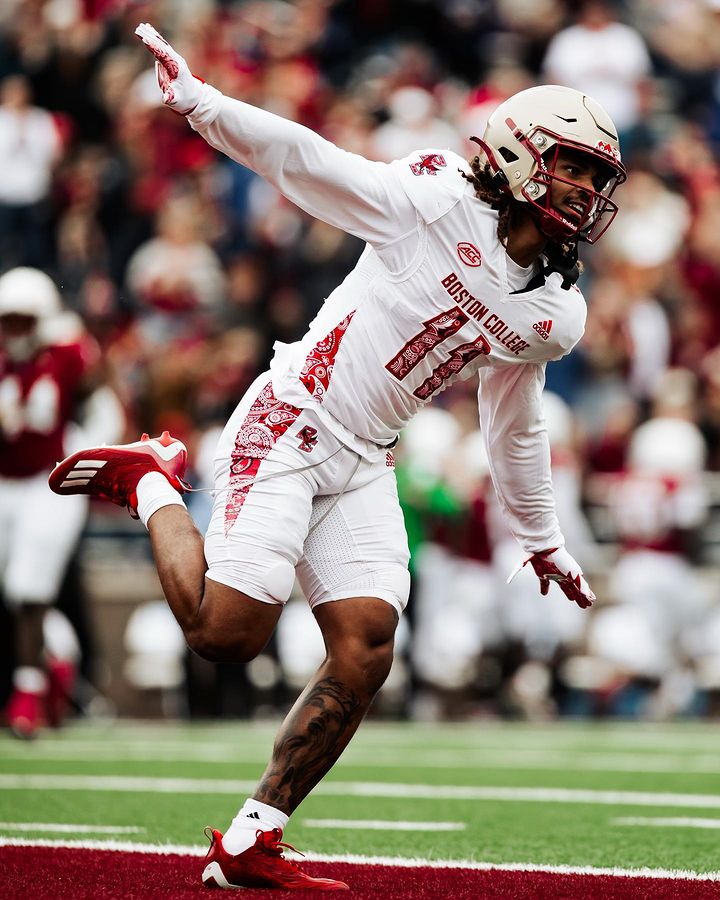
<point x="219" y="622"/>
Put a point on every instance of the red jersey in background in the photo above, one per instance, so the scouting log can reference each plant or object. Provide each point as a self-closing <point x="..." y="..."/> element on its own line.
<point x="38" y="398"/>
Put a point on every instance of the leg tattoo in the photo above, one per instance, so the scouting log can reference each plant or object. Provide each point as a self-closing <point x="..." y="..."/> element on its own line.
<point x="313" y="736"/>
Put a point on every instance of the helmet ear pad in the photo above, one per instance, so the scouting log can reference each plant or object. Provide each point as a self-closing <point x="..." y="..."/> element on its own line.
<point x="498" y="175"/>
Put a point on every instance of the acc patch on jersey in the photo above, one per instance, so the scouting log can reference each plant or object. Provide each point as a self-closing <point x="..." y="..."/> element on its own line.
<point x="469" y="254"/>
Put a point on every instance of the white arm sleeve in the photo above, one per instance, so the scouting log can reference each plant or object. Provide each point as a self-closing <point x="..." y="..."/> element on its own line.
<point x="359" y="196"/>
<point x="512" y="421"/>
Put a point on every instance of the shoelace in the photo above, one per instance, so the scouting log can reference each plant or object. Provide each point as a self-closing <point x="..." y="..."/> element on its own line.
<point x="275" y="846"/>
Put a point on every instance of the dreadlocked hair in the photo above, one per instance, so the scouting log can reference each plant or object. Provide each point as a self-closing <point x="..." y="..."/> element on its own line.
<point x="487" y="190"/>
<point x="561" y="257"/>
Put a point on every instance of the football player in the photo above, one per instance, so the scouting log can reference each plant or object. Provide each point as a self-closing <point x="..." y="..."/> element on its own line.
<point x="49" y="376"/>
<point x="657" y="506"/>
<point x="469" y="269"/>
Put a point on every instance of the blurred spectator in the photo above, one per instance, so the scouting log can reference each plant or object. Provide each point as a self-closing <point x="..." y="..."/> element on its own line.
<point x="600" y="54"/>
<point x="684" y="36"/>
<point x="413" y="123"/>
<point x="709" y="418"/>
<point x="29" y="148"/>
<point x="502" y="82"/>
<point x="532" y="25"/>
<point x="176" y="277"/>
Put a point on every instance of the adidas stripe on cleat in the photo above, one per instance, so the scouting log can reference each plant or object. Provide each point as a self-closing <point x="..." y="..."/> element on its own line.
<point x="113" y="472"/>
<point x="262" y="866"/>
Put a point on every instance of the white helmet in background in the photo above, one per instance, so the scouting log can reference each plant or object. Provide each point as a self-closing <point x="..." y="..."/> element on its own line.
<point x="523" y="139"/>
<point x="29" y="293"/>
<point x="473" y="457"/>
<point x="558" y="420"/>
<point x="429" y="440"/>
<point x="666" y="446"/>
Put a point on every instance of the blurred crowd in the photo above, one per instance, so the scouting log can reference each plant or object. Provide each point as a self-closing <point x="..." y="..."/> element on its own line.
<point x="184" y="268"/>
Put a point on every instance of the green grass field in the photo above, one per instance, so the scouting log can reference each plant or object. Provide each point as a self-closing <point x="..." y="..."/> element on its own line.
<point x="616" y="795"/>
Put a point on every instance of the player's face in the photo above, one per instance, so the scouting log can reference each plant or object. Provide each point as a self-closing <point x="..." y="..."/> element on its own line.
<point x="14" y="325"/>
<point x="576" y="177"/>
<point x="18" y="336"/>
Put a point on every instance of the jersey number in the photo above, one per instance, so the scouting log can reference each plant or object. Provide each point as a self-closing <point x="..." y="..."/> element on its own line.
<point x="436" y="330"/>
<point x="38" y="412"/>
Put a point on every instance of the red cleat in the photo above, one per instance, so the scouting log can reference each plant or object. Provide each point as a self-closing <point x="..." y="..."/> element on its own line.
<point x="25" y="713"/>
<point x="113" y="472"/>
<point x="262" y="865"/>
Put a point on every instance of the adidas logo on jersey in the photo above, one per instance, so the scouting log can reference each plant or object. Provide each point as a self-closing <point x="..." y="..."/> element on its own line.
<point x="543" y="328"/>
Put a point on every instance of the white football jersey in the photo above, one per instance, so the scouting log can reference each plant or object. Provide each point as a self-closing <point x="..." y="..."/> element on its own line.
<point x="433" y="299"/>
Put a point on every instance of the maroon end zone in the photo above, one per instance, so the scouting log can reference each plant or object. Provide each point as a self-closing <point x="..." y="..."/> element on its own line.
<point x="44" y="873"/>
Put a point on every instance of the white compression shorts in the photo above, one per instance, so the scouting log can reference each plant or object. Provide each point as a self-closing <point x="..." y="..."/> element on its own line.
<point x="291" y="499"/>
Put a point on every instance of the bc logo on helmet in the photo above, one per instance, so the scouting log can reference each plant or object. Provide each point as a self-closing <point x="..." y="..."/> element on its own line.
<point x="608" y="149"/>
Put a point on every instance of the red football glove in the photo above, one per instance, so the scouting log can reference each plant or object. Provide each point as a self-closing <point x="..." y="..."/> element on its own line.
<point x="181" y="89"/>
<point x="557" y="565"/>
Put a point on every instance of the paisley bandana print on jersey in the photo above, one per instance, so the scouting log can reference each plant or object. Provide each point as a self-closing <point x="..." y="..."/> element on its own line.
<point x="317" y="371"/>
<point x="266" y="422"/>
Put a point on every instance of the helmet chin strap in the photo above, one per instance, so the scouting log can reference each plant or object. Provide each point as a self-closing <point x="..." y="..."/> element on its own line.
<point x="565" y="264"/>
<point x="561" y="252"/>
<point x="549" y="225"/>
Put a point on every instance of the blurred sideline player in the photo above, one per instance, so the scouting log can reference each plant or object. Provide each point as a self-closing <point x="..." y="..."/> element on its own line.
<point x="657" y="505"/>
<point x="544" y="634"/>
<point x="469" y="269"/>
<point x="454" y="618"/>
<point x="542" y="630"/>
<point x="49" y="376"/>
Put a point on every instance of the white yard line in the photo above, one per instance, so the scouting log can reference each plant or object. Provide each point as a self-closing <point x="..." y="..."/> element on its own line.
<point x="126" y="784"/>
<point x="397" y="862"/>
<point x="70" y="829"/>
<point x="136" y="784"/>
<point x="566" y="760"/>
<point x="383" y="825"/>
<point x="494" y="736"/>
<point x="668" y="822"/>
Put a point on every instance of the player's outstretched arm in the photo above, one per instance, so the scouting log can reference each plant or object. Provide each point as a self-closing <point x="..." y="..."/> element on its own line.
<point x="344" y="189"/>
<point x="510" y="403"/>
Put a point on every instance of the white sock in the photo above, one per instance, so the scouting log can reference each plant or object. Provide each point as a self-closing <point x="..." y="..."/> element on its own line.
<point x="153" y="492"/>
<point x="30" y="679"/>
<point x="253" y="817"/>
